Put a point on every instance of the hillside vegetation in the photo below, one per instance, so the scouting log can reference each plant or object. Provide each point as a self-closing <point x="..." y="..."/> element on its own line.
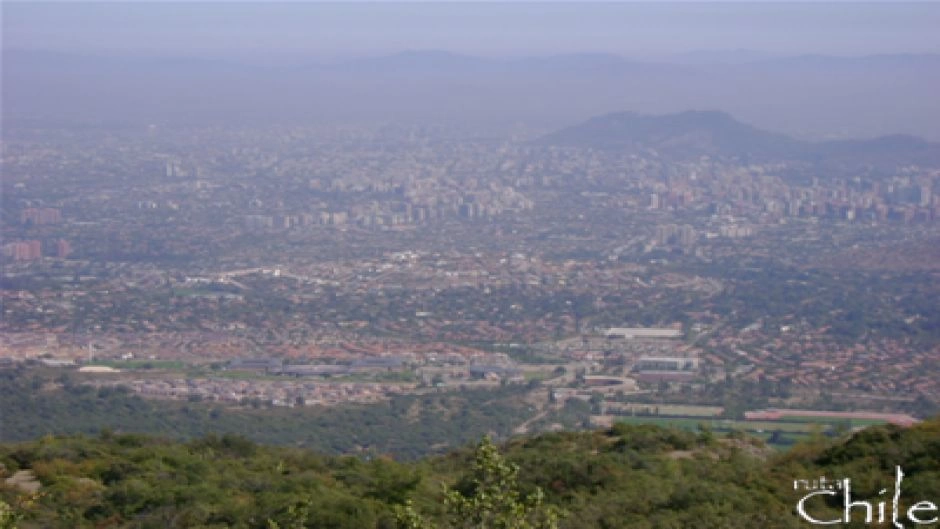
<point x="624" y="477"/>
<point x="407" y="426"/>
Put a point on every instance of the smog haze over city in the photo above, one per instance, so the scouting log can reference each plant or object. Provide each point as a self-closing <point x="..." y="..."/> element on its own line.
<point x="698" y="238"/>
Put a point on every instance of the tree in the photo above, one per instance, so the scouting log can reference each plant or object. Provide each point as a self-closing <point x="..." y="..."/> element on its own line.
<point x="8" y="517"/>
<point x="493" y="500"/>
<point x="295" y="518"/>
<point x="597" y="402"/>
<point x="11" y="515"/>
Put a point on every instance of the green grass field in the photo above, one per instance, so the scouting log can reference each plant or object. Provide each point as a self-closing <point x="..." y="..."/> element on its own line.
<point x="140" y="364"/>
<point x="684" y="423"/>
<point x="681" y="410"/>
<point x="790" y="430"/>
<point x="833" y="420"/>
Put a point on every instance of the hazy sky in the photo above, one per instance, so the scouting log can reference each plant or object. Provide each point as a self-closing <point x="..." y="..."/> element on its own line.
<point x="326" y="30"/>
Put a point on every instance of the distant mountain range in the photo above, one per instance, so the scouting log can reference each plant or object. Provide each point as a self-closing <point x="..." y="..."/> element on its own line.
<point x="442" y="63"/>
<point x="448" y="63"/>
<point x="693" y="134"/>
<point x="423" y="62"/>
<point x="809" y="96"/>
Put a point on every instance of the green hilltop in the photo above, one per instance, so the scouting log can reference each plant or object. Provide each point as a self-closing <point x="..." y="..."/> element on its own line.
<point x="629" y="476"/>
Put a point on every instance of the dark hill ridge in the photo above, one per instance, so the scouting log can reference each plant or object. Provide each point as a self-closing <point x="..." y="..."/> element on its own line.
<point x="692" y="134"/>
<point x="895" y="149"/>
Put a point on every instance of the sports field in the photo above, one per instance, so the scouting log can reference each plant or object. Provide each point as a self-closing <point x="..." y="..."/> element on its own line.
<point x="672" y="410"/>
<point x="779" y="433"/>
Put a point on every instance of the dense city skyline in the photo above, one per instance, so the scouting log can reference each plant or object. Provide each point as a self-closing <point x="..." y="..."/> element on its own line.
<point x="673" y="259"/>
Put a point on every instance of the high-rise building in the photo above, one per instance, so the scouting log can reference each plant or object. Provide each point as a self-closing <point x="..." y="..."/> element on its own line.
<point x="63" y="248"/>
<point x="40" y="216"/>
<point x="23" y="250"/>
<point x="687" y="235"/>
<point x="666" y="234"/>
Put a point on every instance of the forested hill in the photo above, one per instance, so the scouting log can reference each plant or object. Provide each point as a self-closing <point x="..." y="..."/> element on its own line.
<point x="626" y="477"/>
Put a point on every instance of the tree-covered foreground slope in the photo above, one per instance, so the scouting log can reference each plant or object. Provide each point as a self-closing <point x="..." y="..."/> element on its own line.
<point x="626" y="477"/>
